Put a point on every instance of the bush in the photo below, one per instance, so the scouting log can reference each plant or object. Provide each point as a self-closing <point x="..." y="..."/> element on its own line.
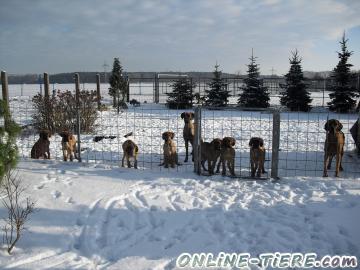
<point x="59" y="112"/>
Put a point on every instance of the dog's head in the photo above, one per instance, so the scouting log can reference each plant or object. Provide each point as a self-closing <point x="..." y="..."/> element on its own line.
<point x="187" y="116"/>
<point x="228" y="142"/>
<point x="216" y="143"/>
<point x="333" y="126"/>
<point x="168" y="135"/>
<point x="65" y="135"/>
<point x="44" y="134"/>
<point x="256" y="142"/>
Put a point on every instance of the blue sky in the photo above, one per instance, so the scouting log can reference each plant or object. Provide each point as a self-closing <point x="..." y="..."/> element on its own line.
<point x="177" y="35"/>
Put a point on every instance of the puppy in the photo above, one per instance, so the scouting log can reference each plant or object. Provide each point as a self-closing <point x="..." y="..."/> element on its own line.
<point x="169" y="149"/>
<point x="41" y="147"/>
<point x="210" y="152"/>
<point x="334" y="146"/>
<point x="188" y="132"/>
<point x="130" y="151"/>
<point x="257" y="156"/>
<point x="68" y="144"/>
<point x="227" y="155"/>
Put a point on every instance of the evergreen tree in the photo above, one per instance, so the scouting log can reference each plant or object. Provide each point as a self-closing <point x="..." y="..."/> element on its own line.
<point x="254" y="94"/>
<point x="343" y="96"/>
<point x="117" y="84"/>
<point x="217" y="95"/>
<point x="8" y="133"/>
<point x="182" y="95"/>
<point x="295" y="96"/>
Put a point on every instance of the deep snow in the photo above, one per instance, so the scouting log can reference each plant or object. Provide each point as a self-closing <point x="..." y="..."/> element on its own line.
<point x="93" y="216"/>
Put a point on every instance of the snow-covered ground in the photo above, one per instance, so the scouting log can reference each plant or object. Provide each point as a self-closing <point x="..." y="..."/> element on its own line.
<point x="93" y="216"/>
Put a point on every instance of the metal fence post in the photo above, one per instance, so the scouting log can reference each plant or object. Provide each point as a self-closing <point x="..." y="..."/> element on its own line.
<point x="156" y="89"/>
<point x="98" y="95"/>
<point x="358" y="133"/>
<point x="197" y="141"/>
<point x="127" y="89"/>
<point x="77" y="96"/>
<point x="275" y="145"/>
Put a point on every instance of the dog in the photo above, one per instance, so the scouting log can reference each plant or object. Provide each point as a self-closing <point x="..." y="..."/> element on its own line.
<point x="169" y="149"/>
<point x="130" y="151"/>
<point x="41" y="147"/>
<point x="188" y="132"/>
<point x="210" y="152"/>
<point x="227" y="156"/>
<point x="134" y="102"/>
<point x="334" y="146"/>
<point x="257" y="156"/>
<point x="68" y="144"/>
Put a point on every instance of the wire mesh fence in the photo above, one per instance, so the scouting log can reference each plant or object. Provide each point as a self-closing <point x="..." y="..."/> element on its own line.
<point x="302" y="135"/>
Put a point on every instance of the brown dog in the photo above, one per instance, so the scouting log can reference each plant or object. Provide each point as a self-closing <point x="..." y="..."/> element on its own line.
<point x="130" y="150"/>
<point x="68" y="144"/>
<point x="257" y="156"/>
<point x="210" y="152"/>
<point x="41" y="147"/>
<point x="188" y="132"/>
<point x="334" y="145"/>
<point x="227" y="155"/>
<point x="169" y="149"/>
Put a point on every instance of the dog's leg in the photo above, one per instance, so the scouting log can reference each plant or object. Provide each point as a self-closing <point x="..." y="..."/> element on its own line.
<point x="128" y="162"/>
<point x="258" y="168"/>
<point x="223" y="167"/>
<point x="231" y="165"/>
<point x="341" y="157"/>
<point x="252" y="168"/>
<point x="186" y="150"/>
<point x="329" y="162"/>
<point x="203" y="165"/>
<point x="326" y="160"/>
<point x="338" y="158"/>
<point x="65" y="155"/>
<point x="71" y="156"/>
<point x="218" y="166"/>
<point x="122" y="161"/>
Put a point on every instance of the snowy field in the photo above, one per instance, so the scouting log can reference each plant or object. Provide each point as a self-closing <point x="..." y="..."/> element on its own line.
<point x="143" y="91"/>
<point x="97" y="215"/>
<point x="93" y="216"/>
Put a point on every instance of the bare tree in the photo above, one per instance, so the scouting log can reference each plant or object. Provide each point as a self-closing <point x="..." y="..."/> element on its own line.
<point x="19" y="209"/>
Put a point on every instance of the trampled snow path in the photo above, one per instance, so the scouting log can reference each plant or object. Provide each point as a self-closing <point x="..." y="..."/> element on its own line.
<point x="98" y="217"/>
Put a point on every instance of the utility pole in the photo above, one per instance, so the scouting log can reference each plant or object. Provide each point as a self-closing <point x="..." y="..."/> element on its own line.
<point x="105" y="66"/>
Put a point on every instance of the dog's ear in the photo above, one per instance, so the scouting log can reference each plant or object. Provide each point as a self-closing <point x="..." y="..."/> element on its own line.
<point x="251" y="142"/>
<point x="164" y="135"/>
<point x="261" y="142"/>
<point x="232" y="141"/>
<point x="339" y="125"/>
<point x="62" y="134"/>
<point x="192" y="115"/>
<point x="326" y="127"/>
<point x="183" y="115"/>
<point x="172" y="134"/>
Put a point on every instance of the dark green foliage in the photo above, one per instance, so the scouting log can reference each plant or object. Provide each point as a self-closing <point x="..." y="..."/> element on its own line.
<point x="295" y="96"/>
<point x="59" y="112"/>
<point x="217" y="95"/>
<point x="8" y="133"/>
<point x="343" y="96"/>
<point x="118" y="84"/>
<point x="254" y="94"/>
<point x="182" y="95"/>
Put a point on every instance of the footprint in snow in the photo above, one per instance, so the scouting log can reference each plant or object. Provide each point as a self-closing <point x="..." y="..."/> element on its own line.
<point x="39" y="186"/>
<point x="56" y="194"/>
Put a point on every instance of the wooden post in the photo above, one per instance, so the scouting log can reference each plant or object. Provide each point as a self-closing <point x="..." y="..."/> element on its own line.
<point x="46" y="85"/>
<point x="5" y="96"/>
<point x="77" y="97"/>
<point x="98" y="95"/>
<point x="197" y="141"/>
<point x="275" y="145"/>
<point x="5" y="88"/>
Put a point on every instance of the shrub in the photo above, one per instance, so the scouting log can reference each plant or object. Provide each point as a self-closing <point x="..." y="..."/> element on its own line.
<point x="59" y="112"/>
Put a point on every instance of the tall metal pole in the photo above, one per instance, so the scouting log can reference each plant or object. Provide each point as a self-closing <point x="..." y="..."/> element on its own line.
<point x="5" y="95"/>
<point x="98" y="95"/>
<point x="77" y="96"/>
<point x="275" y="146"/>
